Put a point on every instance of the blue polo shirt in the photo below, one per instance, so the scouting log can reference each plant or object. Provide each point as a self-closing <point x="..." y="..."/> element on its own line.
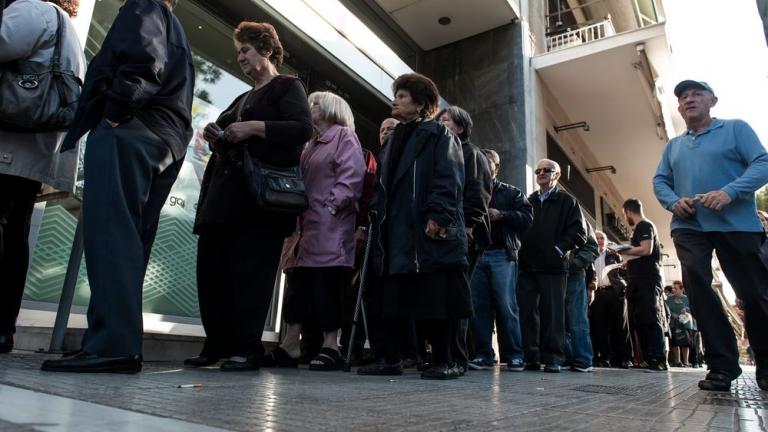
<point x="726" y="155"/>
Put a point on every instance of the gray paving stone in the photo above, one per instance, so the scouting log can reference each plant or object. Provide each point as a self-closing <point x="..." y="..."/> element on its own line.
<point x="298" y="400"/>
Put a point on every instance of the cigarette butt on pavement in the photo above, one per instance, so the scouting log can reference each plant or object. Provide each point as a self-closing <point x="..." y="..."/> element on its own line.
<point x="190" y="386"/>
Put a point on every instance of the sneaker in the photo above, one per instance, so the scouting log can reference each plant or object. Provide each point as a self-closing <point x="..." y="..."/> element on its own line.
<point x="480" y="364"/>
<point x="381" y="368"/>
<point x="576" y="367"/>
<point x="516" y="365"/>
<point x="657" y="365"/>
<point x="552" y="368"/>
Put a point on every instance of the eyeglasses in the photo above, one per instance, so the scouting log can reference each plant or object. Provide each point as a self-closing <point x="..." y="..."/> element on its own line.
<point x="545" y="170"/>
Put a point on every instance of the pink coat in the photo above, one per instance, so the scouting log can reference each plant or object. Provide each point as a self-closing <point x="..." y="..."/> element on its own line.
<point x="333" y="168"/>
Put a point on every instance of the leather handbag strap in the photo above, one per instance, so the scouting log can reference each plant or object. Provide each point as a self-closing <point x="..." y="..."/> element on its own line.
<point x="56" y="59"/>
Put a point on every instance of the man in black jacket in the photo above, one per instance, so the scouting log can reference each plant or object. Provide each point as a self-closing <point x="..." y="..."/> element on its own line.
<point x="557" y="229"/>
<point x="494" y="283"/>
<point x="477" y="195"/>
<point x="136" y="103"/>
<point x="578" y="342"/>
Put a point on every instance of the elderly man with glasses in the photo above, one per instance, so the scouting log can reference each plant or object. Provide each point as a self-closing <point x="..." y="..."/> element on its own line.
<point x="557" y="229"/>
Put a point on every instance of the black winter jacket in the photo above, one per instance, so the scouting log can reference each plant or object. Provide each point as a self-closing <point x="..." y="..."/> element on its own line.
<point x="428" y="183"/>
<point x="516" y="215"/>
<point x="582" y="258"/>
<point x="143" y="70"/>
<point x="556" y="222"/>
<point x="477" y="193"/>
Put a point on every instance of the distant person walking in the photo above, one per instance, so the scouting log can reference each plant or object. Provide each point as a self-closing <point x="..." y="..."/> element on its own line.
<point x="707" y="178"/>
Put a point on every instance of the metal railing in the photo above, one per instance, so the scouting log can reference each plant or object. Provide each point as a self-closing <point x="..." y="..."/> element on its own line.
<point x="581" y="35"/>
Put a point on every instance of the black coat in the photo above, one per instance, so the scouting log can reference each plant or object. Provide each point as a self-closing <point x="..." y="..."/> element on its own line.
<point x="557" y="222"/>
<point x="583" y="257"/>
<point x="516" y="216"/>
<point x="428" y="183"/>
<point x="144" y="70"/>
<point x="224" y="200"/>
<point x="477" y="193"/>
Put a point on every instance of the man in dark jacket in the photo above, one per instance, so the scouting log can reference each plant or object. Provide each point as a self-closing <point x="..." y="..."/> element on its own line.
<point x="578" y="343"/>
<point x="136" y="102"/>
<point x="494" y="283"/>
<point x="608" y="318"/>
<point x="557" y="229"/>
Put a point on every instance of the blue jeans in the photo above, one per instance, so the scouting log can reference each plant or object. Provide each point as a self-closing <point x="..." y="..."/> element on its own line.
<point x="494" y="289"/>
<point x="578" y="345"/>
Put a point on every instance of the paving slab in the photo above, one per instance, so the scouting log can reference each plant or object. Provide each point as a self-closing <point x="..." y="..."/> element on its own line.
<point x="303" y="400"/>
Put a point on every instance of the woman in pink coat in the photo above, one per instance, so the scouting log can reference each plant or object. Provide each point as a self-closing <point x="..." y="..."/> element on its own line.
<point x="333" y="168"/>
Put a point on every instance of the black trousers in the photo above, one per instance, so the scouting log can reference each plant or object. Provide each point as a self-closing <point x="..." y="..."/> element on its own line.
<point x="315" y="294"/>
<point x="646" y="316"/>
<point x="739" y="257"/>
<point x="236" y="270"/>
<point x="17" y="200"/>
<point x="129" y="172"/>
<point x="609" y="328"/>
<point x="460" y="349"/>
<point x="541" y="297"/>
<point x="438" y="332"/>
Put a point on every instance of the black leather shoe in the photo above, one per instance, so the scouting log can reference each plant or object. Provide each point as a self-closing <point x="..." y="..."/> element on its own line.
<point x="6" y="343"/>
<point x="441" y="372"/>
<point x="716" y="381"/>
<point x="91" y="363"/>
<point x="241" y="364"/>
<point x="201" y="361"/>
<point x="381" y="368"/>
<point x="532" y="366"/>
<point x="762" y="382"/>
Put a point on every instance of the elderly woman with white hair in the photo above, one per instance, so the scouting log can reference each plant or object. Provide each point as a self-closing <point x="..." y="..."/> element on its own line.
<point x="333" y="169"/>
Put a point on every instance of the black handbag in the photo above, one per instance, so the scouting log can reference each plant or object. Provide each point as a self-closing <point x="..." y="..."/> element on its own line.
<point x="38" y="97"/>
<point x="276" y="189"/>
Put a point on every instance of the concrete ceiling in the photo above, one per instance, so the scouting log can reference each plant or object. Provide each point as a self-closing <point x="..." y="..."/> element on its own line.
<point x="597" y="83"/>
<point x="419" y="18"/>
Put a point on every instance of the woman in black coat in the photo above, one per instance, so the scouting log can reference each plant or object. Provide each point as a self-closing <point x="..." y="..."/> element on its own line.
<point x="239" y="244"/>
<point x="420" y="246"/>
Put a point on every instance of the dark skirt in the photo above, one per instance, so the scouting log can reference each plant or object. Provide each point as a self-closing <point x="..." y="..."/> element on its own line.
<point x="425" y="296"/>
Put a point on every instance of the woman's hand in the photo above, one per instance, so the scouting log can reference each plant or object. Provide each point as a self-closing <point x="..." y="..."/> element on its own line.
<point x="239" y="131"/>
<point x="433" y="230"/>
<point x="211" y="132"/>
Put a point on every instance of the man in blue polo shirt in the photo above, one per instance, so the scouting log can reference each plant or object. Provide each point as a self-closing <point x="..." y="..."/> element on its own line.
<point x="707" y="178"/>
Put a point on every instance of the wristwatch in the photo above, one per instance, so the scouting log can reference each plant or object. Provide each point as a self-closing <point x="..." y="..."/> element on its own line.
<point x="331" y="210"/>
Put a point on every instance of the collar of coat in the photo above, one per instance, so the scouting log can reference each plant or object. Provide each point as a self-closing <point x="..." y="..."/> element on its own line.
<point x="555" y="195"/>
<point x="410" y="153"/>
<point x="329" y="135"/>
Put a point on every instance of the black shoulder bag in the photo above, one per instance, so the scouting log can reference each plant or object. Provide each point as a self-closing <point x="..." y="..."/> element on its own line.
<point x="38" y="97"/>
<point x="275" y="189"/>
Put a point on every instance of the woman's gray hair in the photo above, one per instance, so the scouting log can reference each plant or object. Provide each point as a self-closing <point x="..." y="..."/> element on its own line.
<point x="333" y="108"/>
<point x="461" y="118"/>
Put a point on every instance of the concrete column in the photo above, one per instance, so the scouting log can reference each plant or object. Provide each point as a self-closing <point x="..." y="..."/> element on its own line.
<point x="485" y="74"/>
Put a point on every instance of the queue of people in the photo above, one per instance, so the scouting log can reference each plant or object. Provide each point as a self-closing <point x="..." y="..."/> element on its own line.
<point x="453" y="249"/>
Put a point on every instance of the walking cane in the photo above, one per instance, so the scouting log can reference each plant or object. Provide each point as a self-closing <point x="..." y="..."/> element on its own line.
<point x="359" y="305"/>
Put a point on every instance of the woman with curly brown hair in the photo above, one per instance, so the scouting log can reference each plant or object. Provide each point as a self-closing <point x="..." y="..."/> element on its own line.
<point x="31" y="159"/>
<point x="239" y="243"/>
<point x="420" y="246"/>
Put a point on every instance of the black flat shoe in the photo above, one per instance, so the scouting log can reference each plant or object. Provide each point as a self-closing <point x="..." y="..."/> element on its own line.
<point x="6" y="343"/>
<point x="278" y="357"/>
<point x="532" y="366"/>
<point x="716" y="381"/>
<point x="242" y="364"/>
<point x="201" y="361"/>
<point x="381" y="368"/>
<point x="84" y="362"/>
<point x="441" y="372"/>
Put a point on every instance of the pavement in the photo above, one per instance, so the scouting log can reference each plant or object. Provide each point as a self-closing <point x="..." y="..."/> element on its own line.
<point x="303" y="400"/>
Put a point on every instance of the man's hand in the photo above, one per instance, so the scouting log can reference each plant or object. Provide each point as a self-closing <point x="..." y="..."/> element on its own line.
<point x="470" y="237"/>
<point x="591" y="296"/>
<point x="112" y="124"/>
<point x="684" y="208"/>
<point x="494" y="214"/>
<point x="360" y="237"/>
<point x="433" y="230"/>
<point x="714" y="200"/>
